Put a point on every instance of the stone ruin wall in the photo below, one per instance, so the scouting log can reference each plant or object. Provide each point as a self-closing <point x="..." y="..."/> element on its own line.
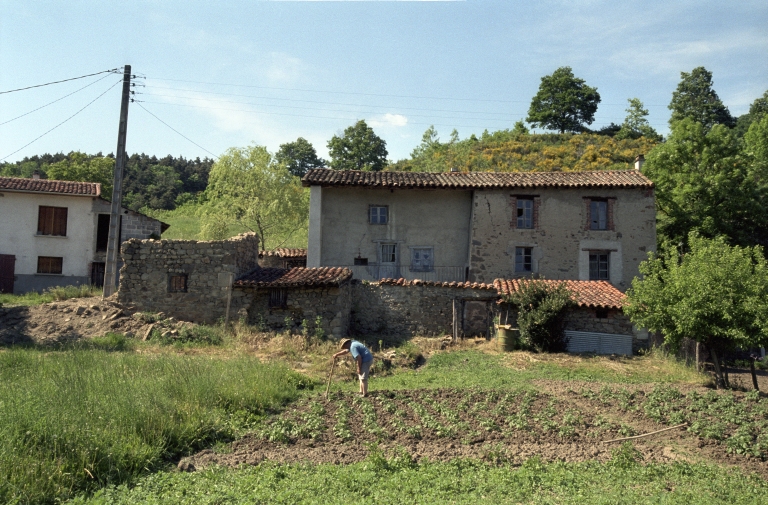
<point x="332" y="304"/>
<point x="386" y="309"/>
<point x="149" y="264"/>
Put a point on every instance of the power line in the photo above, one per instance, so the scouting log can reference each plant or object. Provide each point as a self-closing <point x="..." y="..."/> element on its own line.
<point x="172" y="128"/>
<point x="70" y="117"/>
<point x="363" y="94"/>
<point x="57" y="82"/>
<point x="57" y="100"/>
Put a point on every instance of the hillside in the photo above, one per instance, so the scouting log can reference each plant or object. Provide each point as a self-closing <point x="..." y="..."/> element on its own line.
<point x="511" y="151"/>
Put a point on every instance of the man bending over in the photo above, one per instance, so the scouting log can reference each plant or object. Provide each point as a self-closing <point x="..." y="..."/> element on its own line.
<point x="363" y="358"/>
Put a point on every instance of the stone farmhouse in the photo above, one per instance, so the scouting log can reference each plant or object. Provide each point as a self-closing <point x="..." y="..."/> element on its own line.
<point x="420" y="254"/>
<point x="480" y="226"/>
<point x="54" y="233"/>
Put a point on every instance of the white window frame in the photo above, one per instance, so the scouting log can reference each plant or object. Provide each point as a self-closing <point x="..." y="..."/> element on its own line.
<point x="378" y="214"/>
<point x="520" y="252"/>
<point x="421" y="264"/>
<point x="600" y="274"/>
<point x="598" y="214"/>
<point x="524" y="213"/>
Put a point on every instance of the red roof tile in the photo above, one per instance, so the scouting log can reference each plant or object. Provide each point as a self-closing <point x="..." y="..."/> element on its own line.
<point x="285" y="253"/>
<point x="418" y="282"/>
<point x="477" y="180"/>
<point x="598" y="294"/>
<point x="294" y="277"/>
<point x="50" y="186"/>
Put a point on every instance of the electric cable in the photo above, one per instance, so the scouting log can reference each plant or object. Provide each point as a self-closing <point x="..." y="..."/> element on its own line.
<point x="57" y="82"/>
<point x="57" y="100"/>
<point x="138" y="102"/>
<point x="363" y="94"/>
<point x="70" y="117"/>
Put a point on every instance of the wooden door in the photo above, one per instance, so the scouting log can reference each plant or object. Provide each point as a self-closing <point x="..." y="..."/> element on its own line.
<point x="7" y="266"/>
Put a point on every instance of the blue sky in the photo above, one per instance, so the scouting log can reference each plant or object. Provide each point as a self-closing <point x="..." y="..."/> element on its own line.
<point x="227" y="74"/>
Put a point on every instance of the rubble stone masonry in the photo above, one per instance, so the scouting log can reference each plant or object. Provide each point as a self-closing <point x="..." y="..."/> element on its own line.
<point x="149" y="265"/>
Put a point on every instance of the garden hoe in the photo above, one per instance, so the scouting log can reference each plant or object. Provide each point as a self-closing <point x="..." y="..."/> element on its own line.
<point x="328" y="387"/>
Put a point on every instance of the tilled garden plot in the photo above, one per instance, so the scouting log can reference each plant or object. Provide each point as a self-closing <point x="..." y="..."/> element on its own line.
<point x="509" y="426"/>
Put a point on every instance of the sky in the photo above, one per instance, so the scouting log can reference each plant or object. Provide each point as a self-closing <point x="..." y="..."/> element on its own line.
<point x="217" y="75"/>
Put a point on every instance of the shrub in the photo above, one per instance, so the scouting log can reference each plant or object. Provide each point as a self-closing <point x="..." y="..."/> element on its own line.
<point x="541" y="314"/>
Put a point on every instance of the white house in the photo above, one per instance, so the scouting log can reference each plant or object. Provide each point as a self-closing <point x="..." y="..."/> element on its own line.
<point x="54" y="233"/>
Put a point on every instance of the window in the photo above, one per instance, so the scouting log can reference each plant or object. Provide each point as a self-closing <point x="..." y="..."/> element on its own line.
<point x="525" y="213"/>
<point x="598" y="266"/>
<point x="52" y="221"/>
<point x="598" y="215"/>
<point x="361" y="261"/>
<point x="422" y="259"/>
<point x="389" y="253"/>
<point x="377" y="214"/>
<point x="102" y="232"/>
<point x="49" y="265"/>
<point x="278" y="298"/>
<point x="523" y="261"/>
<point x="177" y="283"/>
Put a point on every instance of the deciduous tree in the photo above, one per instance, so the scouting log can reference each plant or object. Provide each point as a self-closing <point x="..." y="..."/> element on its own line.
<point x="635" y="124"/>
<point x="564" y="102"/>
<point x="358" y="149"/>
<point x="708" y="182"/>
<point x="249" y="188"/>
<point x="715" y="294"/>
<point x="81" y="167"/>
<point x="695" y="98"/>
<point x="299" y="156"/>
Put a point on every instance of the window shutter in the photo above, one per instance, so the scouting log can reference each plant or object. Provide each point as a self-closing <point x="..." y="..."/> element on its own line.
<point x="60" y="221"/>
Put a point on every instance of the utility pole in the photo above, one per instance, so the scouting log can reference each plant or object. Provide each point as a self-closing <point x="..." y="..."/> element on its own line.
<point x="113" y="245"/>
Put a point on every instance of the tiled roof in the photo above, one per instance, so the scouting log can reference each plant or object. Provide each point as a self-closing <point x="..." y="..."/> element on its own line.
<point x="294" y="277"/>
<point x="417" y="282"/>
<point x="49" y="186"/>
<point x="285" y="253"/>
<point x="598" y="294"/>
<point x="477" y="180"/>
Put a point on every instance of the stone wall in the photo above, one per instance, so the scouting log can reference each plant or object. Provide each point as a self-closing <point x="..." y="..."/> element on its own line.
<point x="333" y="304"/>
<point x="150" y="264"/>
<point x="132" y="224"/>
<point x="415" y="309"/>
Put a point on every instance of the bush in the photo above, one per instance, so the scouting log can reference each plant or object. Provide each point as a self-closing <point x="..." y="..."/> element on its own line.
<point x="541" y="315"/>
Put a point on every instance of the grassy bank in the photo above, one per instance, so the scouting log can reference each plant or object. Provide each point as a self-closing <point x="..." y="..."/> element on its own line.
<point x="397" y="480"/>
<point x="78" y="420"/>
<point x="57" y="293"/>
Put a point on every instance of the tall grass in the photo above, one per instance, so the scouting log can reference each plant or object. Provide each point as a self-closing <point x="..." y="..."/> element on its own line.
<point x="57" y="293"/>
<point x="77" y="420"/>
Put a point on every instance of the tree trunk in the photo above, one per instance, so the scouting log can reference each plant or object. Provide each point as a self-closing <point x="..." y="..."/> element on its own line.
<point x="725" y="375"/>
<point x="698" y="356"/>
<point x="719" y="381"/>
<point x="754" y="376"/>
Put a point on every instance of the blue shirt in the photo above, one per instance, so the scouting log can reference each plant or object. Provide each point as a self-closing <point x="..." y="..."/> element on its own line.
<point x="358" y="349"/>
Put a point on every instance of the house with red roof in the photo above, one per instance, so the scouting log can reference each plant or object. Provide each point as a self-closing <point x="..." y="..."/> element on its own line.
<point x="482" y="226"/>
<point x="54" y="233"/>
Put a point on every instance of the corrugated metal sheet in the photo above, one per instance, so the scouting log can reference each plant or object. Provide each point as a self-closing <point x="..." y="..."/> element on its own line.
<point x="599" y="343"/>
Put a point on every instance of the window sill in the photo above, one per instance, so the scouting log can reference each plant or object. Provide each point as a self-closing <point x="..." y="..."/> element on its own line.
<point x="50" y="236"/>
<point x="49" y="275"/>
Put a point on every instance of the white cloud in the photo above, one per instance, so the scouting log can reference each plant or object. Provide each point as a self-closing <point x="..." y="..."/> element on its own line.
<point x="388" y="121"/>
<point x="281" y="68"/>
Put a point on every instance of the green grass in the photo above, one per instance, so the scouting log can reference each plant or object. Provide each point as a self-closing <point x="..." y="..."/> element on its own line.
<point x="58" y="293"/>
<point x="185" y="225"/>
<point x="397" y="480"/>
<point x="77" y="420"/>
<point x="478" y="369"/>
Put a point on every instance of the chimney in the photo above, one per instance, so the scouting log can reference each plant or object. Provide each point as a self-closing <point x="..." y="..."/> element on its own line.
<point x="36" y="175"/>
<point x="639" y="160"/>
<point x="454" y="169"/>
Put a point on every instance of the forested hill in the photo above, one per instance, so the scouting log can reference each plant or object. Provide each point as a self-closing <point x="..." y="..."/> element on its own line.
<point x="513" y="151"/>
<point x="157" y="183"/>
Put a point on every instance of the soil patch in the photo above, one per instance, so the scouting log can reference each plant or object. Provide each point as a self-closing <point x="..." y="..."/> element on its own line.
<point x="499" y="426"/>
<point x="76" y="318"/>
